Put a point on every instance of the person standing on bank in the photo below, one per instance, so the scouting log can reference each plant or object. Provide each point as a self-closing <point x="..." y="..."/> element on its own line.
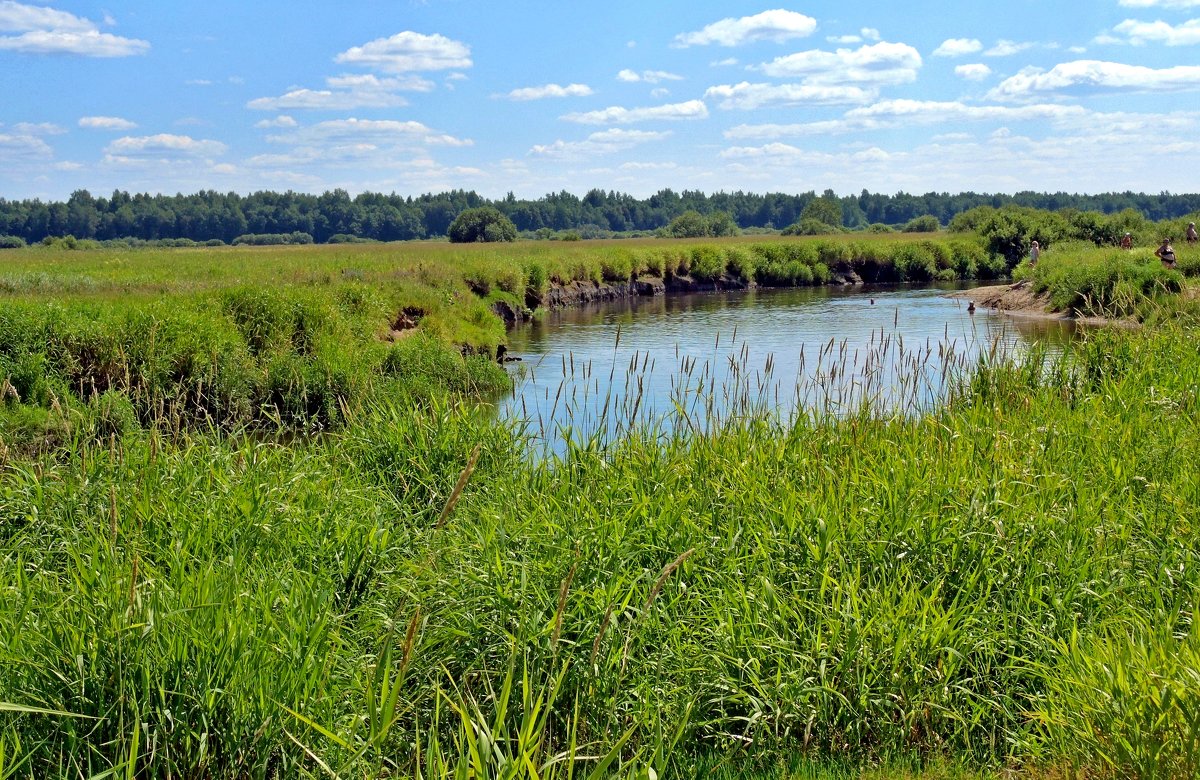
<point x="1166" y="253"/>
<point x="1035" y="252"/>
<point x="1191" y="235"/>
<point x="1127" y="241"/>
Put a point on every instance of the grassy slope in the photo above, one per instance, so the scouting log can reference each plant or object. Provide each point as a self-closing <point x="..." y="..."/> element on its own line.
<point x="1008" y="581"/>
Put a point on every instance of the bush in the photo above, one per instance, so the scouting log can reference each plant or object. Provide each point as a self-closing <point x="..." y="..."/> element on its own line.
<point x="273" y="239"/>
<point x="485" y="224"/>
<point x="811" y="227"/>
<point x="925" y="224"/>
<point x="707" y="263"/>
<point x="12" y="242"/>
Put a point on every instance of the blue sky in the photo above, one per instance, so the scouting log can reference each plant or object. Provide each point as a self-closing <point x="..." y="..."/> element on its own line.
<point x="535" y="97"/>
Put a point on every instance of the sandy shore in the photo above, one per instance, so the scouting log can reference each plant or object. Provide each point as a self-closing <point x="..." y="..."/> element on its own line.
<point x="1019" y="300"/>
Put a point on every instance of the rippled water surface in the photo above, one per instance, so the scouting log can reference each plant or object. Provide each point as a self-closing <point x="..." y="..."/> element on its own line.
<point x="697" y="358"/>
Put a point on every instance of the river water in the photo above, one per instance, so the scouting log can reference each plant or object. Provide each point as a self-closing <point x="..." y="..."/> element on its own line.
<point x="696" y="360"/>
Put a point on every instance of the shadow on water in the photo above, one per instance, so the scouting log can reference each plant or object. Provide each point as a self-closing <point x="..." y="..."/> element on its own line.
<point x="697" y="360"/>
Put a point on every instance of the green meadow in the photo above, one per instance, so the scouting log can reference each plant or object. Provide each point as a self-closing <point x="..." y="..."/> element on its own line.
<point x="257" y="522"/>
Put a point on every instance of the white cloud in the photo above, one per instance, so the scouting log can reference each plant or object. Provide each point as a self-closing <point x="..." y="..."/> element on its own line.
<point x="725" y="63"/>
<point x="369" y="132"/>
<point x="973" y="72"/>
<point x="1180" y="4"/>
<point x="198" y="83"/>
<point x="407" y="52"/>
<point x="844" y="40"/>
<point x="659" y="92"/>
<point x="618" y="115"/>
<point x="600" y="143"/>
<point x="1140" y="33"/>
<point x="777" y="25"/>
<point x="283" y="120"/>
<point x="648" y="166"/>
<point x="106" y="123"/>
<point x="958" y="47"/>
<point x="42" y="30"/>
<point x="19" y="17"/>
<point x="549" y="91"/>
<point x="879" y="63"/>
<point x="1095" y="76"/>
<point x="746" y="96"/>
<point x="20" y="147"/>
<point x="870" y="34"/>
<point x="38" y="128"/>
<point x="86" y="44"/>
<point x="648" y="76"/>
<point x="346" y="93"/>
<point x="892" y="114"/>
<point x="1005" y="48"/>
<point x="163" y="145"/>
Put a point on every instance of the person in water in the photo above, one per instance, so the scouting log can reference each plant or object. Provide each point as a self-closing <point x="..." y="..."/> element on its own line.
<point x="1191" y="235"/>
<point x="1166" y="253"/>
<point x="1035" y="252"/>
<point x="1127" y="241"/>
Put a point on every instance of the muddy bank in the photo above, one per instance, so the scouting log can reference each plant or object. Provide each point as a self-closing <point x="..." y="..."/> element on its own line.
<point x="581" y="293"/>
<point x="1020" y="300"/>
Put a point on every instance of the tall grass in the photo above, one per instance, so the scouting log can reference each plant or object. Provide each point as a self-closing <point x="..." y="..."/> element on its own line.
<point x="1007" y="579"/>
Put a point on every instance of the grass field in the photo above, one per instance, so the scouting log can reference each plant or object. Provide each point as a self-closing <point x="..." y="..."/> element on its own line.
<point x="191" y="587"/>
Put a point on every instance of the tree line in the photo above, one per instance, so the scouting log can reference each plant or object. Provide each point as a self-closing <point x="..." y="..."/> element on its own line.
<point x="335" y="215"/>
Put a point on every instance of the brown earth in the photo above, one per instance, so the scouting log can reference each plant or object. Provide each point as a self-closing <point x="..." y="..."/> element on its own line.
<point x="1019" y="300"/>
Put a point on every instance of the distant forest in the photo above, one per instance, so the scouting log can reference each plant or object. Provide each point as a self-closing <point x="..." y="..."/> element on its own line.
<point x="209" y="215"/>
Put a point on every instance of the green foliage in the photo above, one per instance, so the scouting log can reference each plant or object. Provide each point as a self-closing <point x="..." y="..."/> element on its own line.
<point x="721" y="224"/>
<point x="484" y="224"/>
<point x="1131" y="700"/>
<point x="923" y="224"/>
<point x="689" y="224"/>
<point x="825" y="210"/>
<point x="12" y="242"/>
<point x="273" y="239"/>
<point x="1111" y="284"/>
<point x="811" y="227"/>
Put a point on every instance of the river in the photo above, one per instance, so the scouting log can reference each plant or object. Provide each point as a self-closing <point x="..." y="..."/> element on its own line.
<point x="698" y="359"/>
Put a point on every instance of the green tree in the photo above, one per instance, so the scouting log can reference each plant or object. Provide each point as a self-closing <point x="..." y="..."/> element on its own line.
<point x="721" y="224"/>
<point x="824" y="209"/>
<point x="482" y="224"/>
<point x="689" y="224"/>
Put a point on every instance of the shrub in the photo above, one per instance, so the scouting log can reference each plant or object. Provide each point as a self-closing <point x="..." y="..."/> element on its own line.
<point x="484" y="224"/>
<point x="12" y="242"/>
<point x="925" y="224"/>
<point x="707" y="263"/>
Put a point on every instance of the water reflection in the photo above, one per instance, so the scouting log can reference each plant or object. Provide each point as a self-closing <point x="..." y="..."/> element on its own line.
<point x="699" y="359"/>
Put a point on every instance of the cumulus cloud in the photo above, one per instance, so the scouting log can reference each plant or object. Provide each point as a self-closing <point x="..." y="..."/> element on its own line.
<point x="163" y="145"/>
<point x="648" y="76"/>
<point x="1083" y="77"/>
<point x="38" y="128"/>
<point x="408" y="52"/>
<point x="778" y="25"/>
<point x="106" y="123"/>
<point x="549" y="91"/>
<point x="21" y="147"/>
<point x="283" y="120"/>
<point x="973" y="72"/>
<point x="618" y="115"/>
<point x="368" y="132"/>
<point x="1176" y="4"/>
<point x="346" y="93"/>
<point x="879" y="63"/>
<point x="892" y="114"/>
<point x="1139" y="33"/>
<point x="34" y="29"/>
<point x="1005" y="48"/>
<point x="600" y="143"/>
<point x="746" y="96"/>
<point x="958" y="47"/>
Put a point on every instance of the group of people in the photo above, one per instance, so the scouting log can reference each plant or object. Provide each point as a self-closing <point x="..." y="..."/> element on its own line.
<point x="1165" y="251"/>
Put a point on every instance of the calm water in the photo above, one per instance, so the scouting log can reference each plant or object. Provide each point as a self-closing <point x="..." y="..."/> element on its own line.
<point x="692" y="360"/>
